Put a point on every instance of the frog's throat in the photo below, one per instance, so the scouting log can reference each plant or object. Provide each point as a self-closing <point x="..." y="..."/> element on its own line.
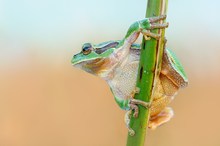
<point x="102" y="67"/>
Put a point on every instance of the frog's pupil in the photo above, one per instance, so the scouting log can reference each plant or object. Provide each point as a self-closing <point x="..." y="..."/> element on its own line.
<point x="86" y="49"/>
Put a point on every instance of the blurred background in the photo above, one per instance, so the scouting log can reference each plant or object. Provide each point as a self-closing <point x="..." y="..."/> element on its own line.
<point x="44" y="101"/>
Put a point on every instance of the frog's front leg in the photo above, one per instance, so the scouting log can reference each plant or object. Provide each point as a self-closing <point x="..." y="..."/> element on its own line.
<point x="145" y="26"/>
<point x="131" y="104"/>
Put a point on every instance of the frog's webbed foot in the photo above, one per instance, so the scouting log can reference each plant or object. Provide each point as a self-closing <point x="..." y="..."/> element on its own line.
<point x="153" y="25"/>
<point x="135" y="102"/>
<point x="161" y="118"/>
<point x="134" y="107"/>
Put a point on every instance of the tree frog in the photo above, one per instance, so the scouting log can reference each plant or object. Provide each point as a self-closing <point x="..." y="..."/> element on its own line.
<point x="117" y="63"/>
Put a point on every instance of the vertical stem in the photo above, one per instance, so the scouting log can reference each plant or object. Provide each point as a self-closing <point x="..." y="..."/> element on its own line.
<point x="149" y="69"/>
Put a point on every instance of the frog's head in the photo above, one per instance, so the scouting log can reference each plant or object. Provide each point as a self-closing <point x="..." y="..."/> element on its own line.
<point x="95" y="58"/>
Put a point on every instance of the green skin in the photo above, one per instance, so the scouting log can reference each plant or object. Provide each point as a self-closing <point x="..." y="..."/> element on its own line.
<point x="113" y="53"/>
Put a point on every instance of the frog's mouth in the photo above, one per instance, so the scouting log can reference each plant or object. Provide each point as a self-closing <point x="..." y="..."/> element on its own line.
<point x="76" y="59"/>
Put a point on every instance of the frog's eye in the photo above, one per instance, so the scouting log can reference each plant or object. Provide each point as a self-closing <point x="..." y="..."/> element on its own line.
<point x="87" y="48"/>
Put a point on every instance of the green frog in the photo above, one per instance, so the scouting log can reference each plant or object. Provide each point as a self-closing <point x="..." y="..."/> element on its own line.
<point x="117" y="63"/>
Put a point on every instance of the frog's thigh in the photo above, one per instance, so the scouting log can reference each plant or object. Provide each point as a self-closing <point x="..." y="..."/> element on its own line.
<point x="161" y="118"/>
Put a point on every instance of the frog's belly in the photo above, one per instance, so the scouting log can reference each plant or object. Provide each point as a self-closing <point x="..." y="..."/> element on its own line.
<point x="124" y="82"/>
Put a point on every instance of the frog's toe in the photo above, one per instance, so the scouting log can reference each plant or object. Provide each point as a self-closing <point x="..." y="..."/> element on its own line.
<point x="158" y="25"/>
<point x="131" y="132"/>
<point x="158" y="18"/>
<point x="133" y="105"/>
<point x="147" y="35"/>
<point x="140" y="102"/>
<point x="135" y="91"/>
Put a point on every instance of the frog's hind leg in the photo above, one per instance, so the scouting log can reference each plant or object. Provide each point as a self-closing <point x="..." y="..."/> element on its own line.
<point x="161" y="118"/>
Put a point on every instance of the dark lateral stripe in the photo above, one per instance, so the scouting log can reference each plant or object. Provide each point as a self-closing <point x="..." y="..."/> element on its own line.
<point x="104" y="48"/>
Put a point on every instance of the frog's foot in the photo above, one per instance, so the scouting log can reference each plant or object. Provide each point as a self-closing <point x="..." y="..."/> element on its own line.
<point x="161" y="118"/>
<point x="134" y="102"/>
<point x="133" y="105"/>
<point x="147" y="35"/>
<point x="127" y="122"/>
<point x="153" y="25"/>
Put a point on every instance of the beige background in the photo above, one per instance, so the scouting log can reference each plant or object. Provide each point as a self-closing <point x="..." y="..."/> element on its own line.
<point x="44" y="101"/>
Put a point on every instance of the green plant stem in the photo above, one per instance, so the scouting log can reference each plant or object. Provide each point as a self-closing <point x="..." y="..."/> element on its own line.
<point x="149" y="69"/>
